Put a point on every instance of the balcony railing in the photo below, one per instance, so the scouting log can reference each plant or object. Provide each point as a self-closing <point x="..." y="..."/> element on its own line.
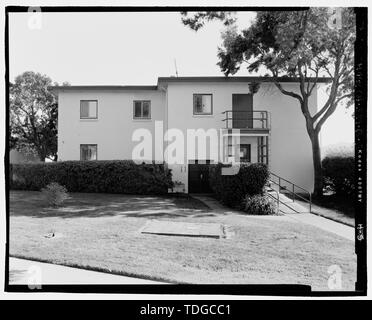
<point x="246" y="119"/>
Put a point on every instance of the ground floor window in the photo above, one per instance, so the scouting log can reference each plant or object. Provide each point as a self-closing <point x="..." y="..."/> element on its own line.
<point x="245" y="153"/>
<point x="88" y="152"/>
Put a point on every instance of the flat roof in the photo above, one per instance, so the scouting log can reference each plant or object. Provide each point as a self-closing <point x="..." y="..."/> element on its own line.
<point x="184" y="79"/>
<point x="103" y="87"/>
<point x="236" y="79"/>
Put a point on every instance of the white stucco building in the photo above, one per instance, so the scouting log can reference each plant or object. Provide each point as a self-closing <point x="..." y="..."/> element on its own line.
<point x="102" y="122"/>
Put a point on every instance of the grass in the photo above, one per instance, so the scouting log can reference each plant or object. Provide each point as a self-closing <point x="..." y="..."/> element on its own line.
<point x="101" y="231"/>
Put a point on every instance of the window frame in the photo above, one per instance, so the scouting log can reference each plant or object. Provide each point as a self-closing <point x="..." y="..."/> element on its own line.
<point x="194" y="105"/>
<point x="88" y="144"/>
<point x="81" y="105"/>
<point x="249" y="159"/>
<point x="134" y="110"/>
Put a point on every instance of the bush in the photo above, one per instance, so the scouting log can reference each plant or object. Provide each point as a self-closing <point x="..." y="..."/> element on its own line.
<point x="55" y="194"/>
<point x="338" y="175"/>
<point x="119" y="176"/>
<point x="231" y="189"/>
<point x="259" y="205"/>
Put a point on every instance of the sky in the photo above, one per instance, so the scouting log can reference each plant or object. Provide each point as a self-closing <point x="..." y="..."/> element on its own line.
<point x="129" y="48"/>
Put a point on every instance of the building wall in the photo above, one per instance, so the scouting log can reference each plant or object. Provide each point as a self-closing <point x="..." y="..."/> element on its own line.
<point x="112" y="131"/>
<point x="290" y="149"/>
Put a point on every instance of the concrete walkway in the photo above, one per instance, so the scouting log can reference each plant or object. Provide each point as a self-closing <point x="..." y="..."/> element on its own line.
<point x="340" y="229"/>
<point x="26" y="272"/>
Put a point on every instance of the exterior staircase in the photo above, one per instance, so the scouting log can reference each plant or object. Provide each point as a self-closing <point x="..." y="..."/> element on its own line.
<point x="290" y="198"/>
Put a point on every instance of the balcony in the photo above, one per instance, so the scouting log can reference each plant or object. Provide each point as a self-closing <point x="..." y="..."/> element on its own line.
<point x="249" y="121"/>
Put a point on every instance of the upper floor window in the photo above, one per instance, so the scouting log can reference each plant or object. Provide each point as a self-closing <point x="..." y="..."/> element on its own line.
<point x="203" y="104"/>
<point x="142" y="109"/>
<point x="88" y="152"/>
<point x="88" y="109"/>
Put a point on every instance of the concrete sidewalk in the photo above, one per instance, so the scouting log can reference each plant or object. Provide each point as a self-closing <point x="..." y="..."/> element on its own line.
<point x="340" y="229"/>
<point x="26" y="272"/>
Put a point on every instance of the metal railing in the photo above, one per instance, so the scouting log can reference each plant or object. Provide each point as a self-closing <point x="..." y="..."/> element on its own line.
<point x="292" y="189"/>
<point x="258" y="119"/>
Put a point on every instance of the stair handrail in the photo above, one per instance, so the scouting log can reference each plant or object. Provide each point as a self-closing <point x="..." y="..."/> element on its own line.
<point x="277" y="199"/>
<point x="292" y="191"/>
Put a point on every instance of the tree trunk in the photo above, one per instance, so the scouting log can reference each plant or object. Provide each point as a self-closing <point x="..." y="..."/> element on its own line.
<point x="317" y="163"/>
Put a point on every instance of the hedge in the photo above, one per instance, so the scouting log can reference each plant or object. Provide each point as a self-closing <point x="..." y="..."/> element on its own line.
<point x="232" y="189"/>
<point x="118" y="176"/>
<point x="339" y="174"/>
<point x="259" y="205"/>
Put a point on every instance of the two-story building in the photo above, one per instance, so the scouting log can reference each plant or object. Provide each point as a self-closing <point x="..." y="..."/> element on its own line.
<point x="104" y="123"/>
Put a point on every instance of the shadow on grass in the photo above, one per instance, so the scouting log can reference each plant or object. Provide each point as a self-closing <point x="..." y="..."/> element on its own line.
<point x="32" y="204"/>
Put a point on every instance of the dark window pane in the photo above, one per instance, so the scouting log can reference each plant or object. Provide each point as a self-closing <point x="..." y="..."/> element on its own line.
<point x="203" y="104"/>
<point x="92" y="154"/>
<point x="146" y="109"/>
<point x="245" y="153"/>
<point x="198" y="104"/>
<point x="83" y="152"/>
<point x="137" y="109"/>
<point x="88" y="152"/>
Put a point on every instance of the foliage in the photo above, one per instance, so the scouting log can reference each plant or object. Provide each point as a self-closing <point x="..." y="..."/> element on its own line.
<point x="259" y="205"/>
<point x="33" y="115"/>
<point x="55" y="194"/>
<point x="231" y="189"/>
<point x="340" y="149"/>
<point x="119" y="176"/>
<point x="198" y="19"/>
<point x="339" y="175"/>
<point x="303" y="45"/>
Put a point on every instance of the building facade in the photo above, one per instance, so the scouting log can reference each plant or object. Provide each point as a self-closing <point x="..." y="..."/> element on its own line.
<point x="113" y="122"/>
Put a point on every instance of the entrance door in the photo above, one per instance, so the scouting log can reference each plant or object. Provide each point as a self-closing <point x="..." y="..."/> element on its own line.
<point x="242" y="107"/>
<point x="199" y="178"/>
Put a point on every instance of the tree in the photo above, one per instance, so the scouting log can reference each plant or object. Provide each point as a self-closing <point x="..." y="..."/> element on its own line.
<point x="303" y="45"/>
<point x="33" y="115"/>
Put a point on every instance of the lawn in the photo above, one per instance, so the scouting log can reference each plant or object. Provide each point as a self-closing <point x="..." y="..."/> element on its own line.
<point x="101" y="231"/>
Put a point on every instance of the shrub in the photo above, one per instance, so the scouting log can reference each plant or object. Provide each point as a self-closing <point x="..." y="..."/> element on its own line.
<point x="338" y="175"/>
<point x="55" y="194"/>
<point x="119" y="176"/>
<point x="231" y="189"/>
<point x="259" y="205"/>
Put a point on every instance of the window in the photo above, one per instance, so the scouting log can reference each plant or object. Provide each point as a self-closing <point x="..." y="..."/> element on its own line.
<point x="88" y="152"/>
<point x="203" y="104"/>
<point x="88" y="109"/>
<point x="142" y="109"/>
<point x="245" y="153"/>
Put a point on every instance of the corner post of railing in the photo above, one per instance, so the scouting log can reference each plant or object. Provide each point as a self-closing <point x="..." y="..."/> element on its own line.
<point x="277" y="204"/>
<point x="293" y="193"/>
